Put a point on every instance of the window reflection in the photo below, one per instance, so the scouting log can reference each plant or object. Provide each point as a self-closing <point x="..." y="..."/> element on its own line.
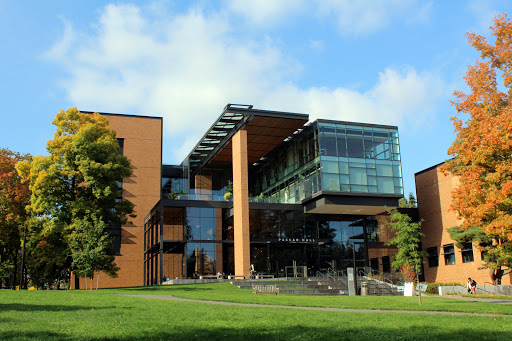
<point x="373" y="162"/>
<point x="200" y="259"/>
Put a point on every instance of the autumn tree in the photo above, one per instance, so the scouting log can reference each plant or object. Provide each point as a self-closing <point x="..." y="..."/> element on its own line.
<point x="75" y="191"/>
<point x="14" y="196"/>
<point x="482" y="150"/>
<point x="408" y="235"/>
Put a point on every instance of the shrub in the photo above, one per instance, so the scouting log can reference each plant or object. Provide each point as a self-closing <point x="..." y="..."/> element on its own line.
<point x="432" y="288"/>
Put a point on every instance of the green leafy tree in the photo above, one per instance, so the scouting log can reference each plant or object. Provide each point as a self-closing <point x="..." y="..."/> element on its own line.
<point x="14" y="196"/>
<point x="408" y="203"/>
<point x="408" y="235"/>
<point x="75" y="189"/>
<point x="47" y="255"/>
<point x="92" y="257"/>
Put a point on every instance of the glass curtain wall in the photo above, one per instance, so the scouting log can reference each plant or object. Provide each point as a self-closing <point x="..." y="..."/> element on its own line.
<point x="317" y="241"/>
<point x="358" y="158"/>
<point x="291" y="172"/>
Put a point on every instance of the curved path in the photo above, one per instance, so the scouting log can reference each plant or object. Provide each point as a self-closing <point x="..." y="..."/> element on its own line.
<point x="173" y="298"/>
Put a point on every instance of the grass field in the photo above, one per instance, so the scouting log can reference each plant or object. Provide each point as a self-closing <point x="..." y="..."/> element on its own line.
<point x="106" y="315"/>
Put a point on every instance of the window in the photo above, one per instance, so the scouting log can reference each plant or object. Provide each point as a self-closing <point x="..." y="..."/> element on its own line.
<point x="433" y="258"/>
<point x="449" y="254"/>
<point x="483" y="254"/>
<point x="386" y="264"/>
<point x="374" y="263"/>
<point x="467" y="253"/>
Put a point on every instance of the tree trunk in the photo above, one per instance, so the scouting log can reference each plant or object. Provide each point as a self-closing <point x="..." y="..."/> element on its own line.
<point x="418" y="284"/>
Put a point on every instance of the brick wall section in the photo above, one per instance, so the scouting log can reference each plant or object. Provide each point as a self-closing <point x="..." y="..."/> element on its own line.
<point x="433" y="190"/>
<point x="241" y="204"/>
<point x="143" y="147"/>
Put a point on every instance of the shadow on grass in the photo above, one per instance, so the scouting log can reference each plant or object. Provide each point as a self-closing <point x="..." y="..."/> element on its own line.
<point x="22" y="335"/>
<point x="167" y="288"/>
<point x="49" y="308"/>
<point x="260" y="333"/>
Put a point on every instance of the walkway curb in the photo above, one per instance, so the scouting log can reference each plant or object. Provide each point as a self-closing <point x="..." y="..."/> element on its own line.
<point x="173" y="298"/>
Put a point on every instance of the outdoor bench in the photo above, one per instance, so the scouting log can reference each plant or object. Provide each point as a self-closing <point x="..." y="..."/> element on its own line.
<point x="264" y="276"/>
<point x="271" y="288"/>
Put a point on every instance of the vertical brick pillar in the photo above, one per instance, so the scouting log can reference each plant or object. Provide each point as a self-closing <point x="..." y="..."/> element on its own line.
<point x="241" y="204"/>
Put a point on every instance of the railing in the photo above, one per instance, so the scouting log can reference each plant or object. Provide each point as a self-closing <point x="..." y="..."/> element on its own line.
<point x="389" y="278"/>
<point x="383" y="283"/>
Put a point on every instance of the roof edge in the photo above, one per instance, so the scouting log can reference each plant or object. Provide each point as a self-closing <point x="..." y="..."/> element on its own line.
<point x="124" y="115"/>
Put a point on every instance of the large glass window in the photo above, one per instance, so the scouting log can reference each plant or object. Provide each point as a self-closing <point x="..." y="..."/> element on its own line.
<point x="201" y="259"/>
<point x="200" y="223"/>
<point x="331" y="182"/>
<point x="368" y="155"/>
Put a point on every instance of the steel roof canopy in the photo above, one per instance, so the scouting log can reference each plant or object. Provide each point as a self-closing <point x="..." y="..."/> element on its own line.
<point x="266" y="129"/>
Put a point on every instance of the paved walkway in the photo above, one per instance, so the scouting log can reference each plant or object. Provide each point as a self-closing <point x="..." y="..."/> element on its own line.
<point x="476" y="299"/>
<point x="172" y="298"/>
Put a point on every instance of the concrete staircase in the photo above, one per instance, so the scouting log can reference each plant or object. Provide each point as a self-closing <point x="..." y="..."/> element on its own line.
<point x="320" y="286"/>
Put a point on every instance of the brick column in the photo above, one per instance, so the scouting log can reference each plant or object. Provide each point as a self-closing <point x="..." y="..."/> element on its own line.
<point x="241" y="204"/>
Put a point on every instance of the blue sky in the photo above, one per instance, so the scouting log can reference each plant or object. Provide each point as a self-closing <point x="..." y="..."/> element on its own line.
<point x="392" y="61"/>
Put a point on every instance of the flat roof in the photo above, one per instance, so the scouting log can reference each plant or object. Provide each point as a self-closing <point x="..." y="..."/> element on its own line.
<point x="266" y="129"/>
<point x="357" y="124"/>
<point x="429" y="168"/>
<point x="125" y="115"/>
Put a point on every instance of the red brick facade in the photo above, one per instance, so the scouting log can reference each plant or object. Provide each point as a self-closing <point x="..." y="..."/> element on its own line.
<point x="143" y="147"/>
<point x="433" y="190"/>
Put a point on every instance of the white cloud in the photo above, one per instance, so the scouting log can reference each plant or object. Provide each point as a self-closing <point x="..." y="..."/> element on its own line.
<point x="399" y="97"/>
<point x="362" y="17"/>
<point x="317" y="45"/>
<point x="422" y="13"/>
<point x="61" y="47"/>
<point x="188" y="66"/>
<point x="267" y="12"/>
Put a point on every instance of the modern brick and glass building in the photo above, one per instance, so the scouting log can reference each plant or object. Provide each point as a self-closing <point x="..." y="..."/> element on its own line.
<point x="266" y="188"/>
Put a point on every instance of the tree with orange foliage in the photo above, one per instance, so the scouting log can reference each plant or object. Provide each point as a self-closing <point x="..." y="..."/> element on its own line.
<point x="482" y="150"/>
<point x="14" y="196"/>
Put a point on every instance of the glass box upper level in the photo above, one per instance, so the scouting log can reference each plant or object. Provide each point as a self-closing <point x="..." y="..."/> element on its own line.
<point x="360" y="158"/>
<point x="290" y="159"/>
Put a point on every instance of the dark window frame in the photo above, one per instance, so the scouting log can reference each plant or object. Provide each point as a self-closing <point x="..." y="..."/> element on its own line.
<point x="374" y="263"/>
<point x="386" y="264"/>
<point x="433" y="257"/>
<point x="467" y="253"/>
<point x="449" y="254"/>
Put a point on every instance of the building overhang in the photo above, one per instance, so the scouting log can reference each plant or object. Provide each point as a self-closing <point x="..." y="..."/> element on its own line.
<point x="330" y="202"/>
<point x="265" y="130"/>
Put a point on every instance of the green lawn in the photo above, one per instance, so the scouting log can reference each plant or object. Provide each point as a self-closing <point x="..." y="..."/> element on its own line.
<point x="229" y="293"/>
<point x="495" y="297"/>
<point x="103" y="315"/>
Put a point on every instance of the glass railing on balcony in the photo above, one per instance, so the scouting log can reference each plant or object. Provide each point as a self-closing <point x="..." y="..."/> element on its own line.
<point x="292" y="194"/>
